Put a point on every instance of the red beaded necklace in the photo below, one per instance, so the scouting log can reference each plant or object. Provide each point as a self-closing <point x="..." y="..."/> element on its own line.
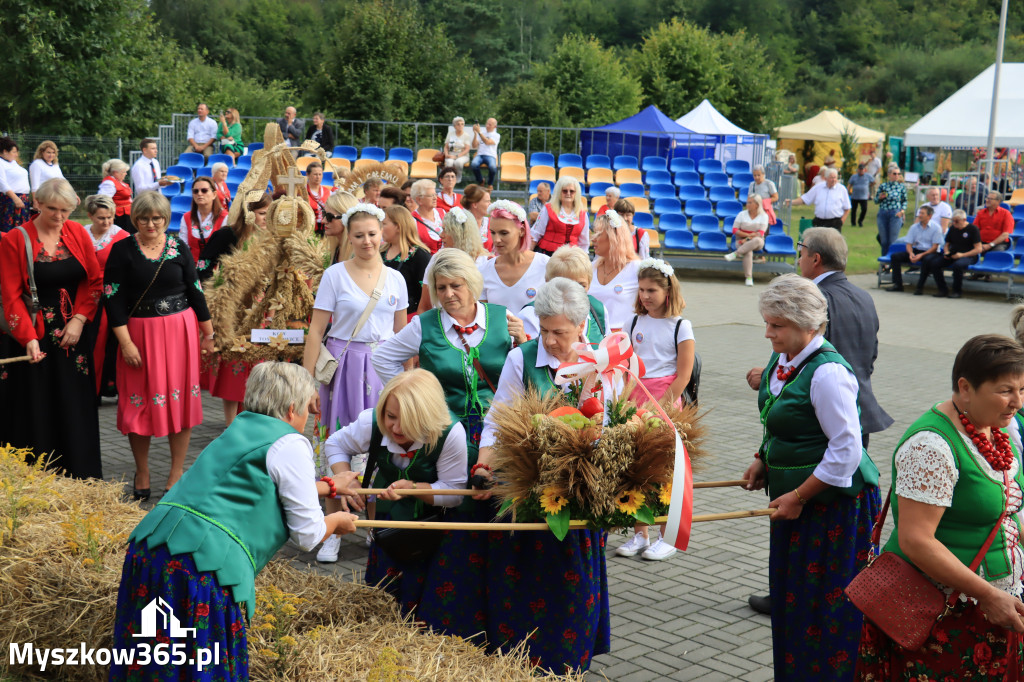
<point x="999" y="456"/>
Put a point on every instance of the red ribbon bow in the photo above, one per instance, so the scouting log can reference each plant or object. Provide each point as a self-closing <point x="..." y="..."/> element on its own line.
<point x="407" y="455"/>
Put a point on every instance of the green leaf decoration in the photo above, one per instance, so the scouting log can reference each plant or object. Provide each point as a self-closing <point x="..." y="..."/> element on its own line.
<point x="559" y="523"/>
<point x="644" y="515"/>
<point x="505" y="506"/>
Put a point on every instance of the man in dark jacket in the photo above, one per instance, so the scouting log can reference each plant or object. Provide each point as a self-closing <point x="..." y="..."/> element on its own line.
<point x="320" y="132"/>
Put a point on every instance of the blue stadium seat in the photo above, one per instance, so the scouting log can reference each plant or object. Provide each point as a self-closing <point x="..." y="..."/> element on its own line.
<point x="717" y="194"/>
<point x="662" y="192"/>
<point x="742" y="179"/>
<point x="186" y="187"/>
<point x="681" y="240"/>
<point x="709" y="166"/>
<point x="714" y="242"/>
<point x="598" y="161"/>
<point x="1018" y="230"/>
<point x="658" y="177"/>
<point x="704" y="223"/>
<point x="654" y="163"/>
<point x="625" y="161"/>
<point x="205" y="171"/>
<point x="535" y="183"/>
<point x="632" y="189"/>
<point x="737" y="166"/>
<point x="684" y="178"/>
<point x="779" y="245"/>
<point x="570" y="161"/>
<point x="183" y="172"/>
<point x="728" y="209"/>
<point x="1018" y="249"/>
<point x="689" y="192"/>
<point x="328" y="178"/>
<point x="343" y="151"/>
<point x="893" y="248"/>
<point x="1018" y="212"/>
<point x="237" y="174"/>
<point x="233" y="189"/>
<point x="542" y="159"/>
<point x="744" y="190"/>
<point x="1017" y="270"/>
<point x="679" y="165"/>
<point x="667" y="206"/>
<point x="994" y="263"/>
<point x="254" y="146"/>
<point x="191" y="160"/>
<point x="597" y="189"/>
<point x="175" y="223"/>
<point x="171" y="190"/>
<point x="643" y="220"/>
<point x="221" y="158"/>
<point x="672" y="221"/>
<point x="244" y="162"/>
<point x="182" y="203"/>
<point x="401" y="154"/>
<point x="374" y="154"/>
<point x="696" y="207"/>
<point x="716" y="180"/>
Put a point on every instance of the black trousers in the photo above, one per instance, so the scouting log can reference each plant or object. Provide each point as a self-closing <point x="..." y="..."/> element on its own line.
<point x="863" y="205"/>
<point x="834" y="223"/>
<point x="903" y="258"/>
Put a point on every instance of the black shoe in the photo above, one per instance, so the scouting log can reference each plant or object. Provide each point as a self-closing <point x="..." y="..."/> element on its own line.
<point x="918" y="292"/>
<point x="139" y="494"/>
<point x="942" y="294"/>
<point x="955" y="294"/>
<point x="761" y="604"/>
<point x="895" y="287"/>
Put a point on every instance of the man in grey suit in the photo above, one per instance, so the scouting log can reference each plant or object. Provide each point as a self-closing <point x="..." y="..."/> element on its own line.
<point x="852" y="329"/>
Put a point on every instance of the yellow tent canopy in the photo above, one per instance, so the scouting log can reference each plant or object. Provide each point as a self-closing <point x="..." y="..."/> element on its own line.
<point x="824" y="132"/>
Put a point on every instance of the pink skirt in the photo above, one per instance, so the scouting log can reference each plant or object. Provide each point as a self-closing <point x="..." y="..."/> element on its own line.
<point x="658" y="386"/>
<point x="229" y="380"/>
<point x="162" y="397"/>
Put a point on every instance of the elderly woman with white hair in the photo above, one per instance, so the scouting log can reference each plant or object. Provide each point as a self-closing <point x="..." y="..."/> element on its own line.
<point x="570" y="262"/>
<point x="114" y="186"/>
<point x="456" y="147"/>
<point x="220" y="181"/>
<point x="564" y="219"/>
<point x="249" y="492"/>
<point x="460" y="231"/>
<point x="567" y="578"/>
<point x="822" y="484"/>
<point x="427" y="214"/>
<point x="611" y="196"/>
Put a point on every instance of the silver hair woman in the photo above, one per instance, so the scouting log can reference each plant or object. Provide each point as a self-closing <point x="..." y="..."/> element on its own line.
<point x="822" y="485"/>
<point x="114" y="186"/>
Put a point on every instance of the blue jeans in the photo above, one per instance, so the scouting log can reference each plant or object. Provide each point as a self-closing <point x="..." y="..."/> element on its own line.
<point x="492" y="168"/>
<point x="889" y="225"/>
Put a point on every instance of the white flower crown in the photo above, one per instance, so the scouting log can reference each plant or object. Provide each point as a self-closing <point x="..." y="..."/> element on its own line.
<point x="459" y="213"/>
<point x="362" y="208"/>
<point x="658" y="264"/>
<point x="510" y="206"/>
<point x="614" y="219"/>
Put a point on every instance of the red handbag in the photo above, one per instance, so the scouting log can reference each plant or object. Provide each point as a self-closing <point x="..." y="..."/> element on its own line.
<point x="900" y="599"/>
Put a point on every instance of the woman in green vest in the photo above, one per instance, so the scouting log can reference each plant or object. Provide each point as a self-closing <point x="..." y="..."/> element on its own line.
<point x="821" y="482"/>
<point x="572" y="263"/>
<point x="550" y="594"/>
<point x="956" y="479"/>
<point x="197" y="553"/>
<point x="414" y="442"/>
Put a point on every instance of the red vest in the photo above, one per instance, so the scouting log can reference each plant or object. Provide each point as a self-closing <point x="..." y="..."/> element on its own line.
<point x="558" y="233"/>
<point x="122" y="196"/>
<point x="196" y="242"/>
<point x="223" y="194"/>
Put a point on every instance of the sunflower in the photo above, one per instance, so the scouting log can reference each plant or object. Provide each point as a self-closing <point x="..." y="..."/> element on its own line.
<point x="665" y="493"/>
<point x="551" y="502"/>
<point x="630" y="501"/>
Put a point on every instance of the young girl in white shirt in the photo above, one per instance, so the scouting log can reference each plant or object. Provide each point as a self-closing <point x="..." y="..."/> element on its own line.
<point x="664" y="341"/>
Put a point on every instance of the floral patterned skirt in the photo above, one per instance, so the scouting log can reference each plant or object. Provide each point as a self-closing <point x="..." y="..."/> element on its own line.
<point x="10" y="216"/>
<point x="197" y="602"/>
<point x="403" y="581"/>
<point x="963" y="646"/>
<point x="229" y="380"/>
<point x="815" y="628"/>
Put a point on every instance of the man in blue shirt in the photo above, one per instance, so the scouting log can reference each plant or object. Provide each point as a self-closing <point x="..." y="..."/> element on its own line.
<point x="860" y="191"/>
<point x="923" y="239"/>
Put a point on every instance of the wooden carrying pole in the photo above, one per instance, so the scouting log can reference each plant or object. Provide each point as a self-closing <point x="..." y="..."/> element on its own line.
<point x="464" y="492"/>
<point x="498" y="526"/>
<point x="20" y="358"/>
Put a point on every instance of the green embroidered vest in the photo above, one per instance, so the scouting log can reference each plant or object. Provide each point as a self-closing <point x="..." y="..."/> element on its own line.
<point x="536" y="377"/>
<point x="422" y="469"/>
<point x="596" y="320"/>
<point x="977" y="502"/>
<point x="794" y="443"/>
<point x="225" y="510"/>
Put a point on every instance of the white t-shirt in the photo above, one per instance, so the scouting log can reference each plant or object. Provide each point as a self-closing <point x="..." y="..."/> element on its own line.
<point x="618" y="295"/>
<point x="942" y="210"/>
<point x="39" y="172"/>
<point x="519" y="294"/>
<point x="489" y="149"/>
<point x="462" y="142"/>
<point x="652" y="340"/>
<point x="340" y="295"/>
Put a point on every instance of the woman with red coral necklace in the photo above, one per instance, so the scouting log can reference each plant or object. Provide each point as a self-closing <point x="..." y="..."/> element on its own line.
<point x="957" y="483"/>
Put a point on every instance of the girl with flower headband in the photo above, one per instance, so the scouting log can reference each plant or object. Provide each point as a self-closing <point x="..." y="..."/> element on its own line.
<point x="615" y="271"/>
<point x="346" y="290"/>
<point x="403" y="251"/>
<point x="564" y="219"/>
<point x="228" y="378"/>
<point x="512" y="278"/>
<point x="664" y="341"/>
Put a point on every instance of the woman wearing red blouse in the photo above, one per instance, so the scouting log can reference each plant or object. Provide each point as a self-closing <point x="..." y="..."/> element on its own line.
<point x="48" y="401"/>
<point x="317" y="193"/>
<point x="447" y="198"/>
<point x="206" y="217"/>
<point x="114" y="186"/>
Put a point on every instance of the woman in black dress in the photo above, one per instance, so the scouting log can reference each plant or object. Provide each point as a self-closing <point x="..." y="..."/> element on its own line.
<point x="402" y="250"/>
<point x="48" y="403"/>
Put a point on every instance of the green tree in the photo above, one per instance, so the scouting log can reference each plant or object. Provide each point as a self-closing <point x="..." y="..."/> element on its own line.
<point x="528" y="103"/>
<point x="589" y="81"/>
<point x="757" y="89"/>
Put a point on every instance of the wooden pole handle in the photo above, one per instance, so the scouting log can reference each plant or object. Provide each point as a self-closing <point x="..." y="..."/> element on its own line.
<point x="20" y="358"/>
<point x="449" y="525"/>
<point x="465" y="492"/>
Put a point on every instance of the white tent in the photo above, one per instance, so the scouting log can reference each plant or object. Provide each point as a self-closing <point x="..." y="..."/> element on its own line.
<point x="962" y="120"/>
<point x="732" y="141"/>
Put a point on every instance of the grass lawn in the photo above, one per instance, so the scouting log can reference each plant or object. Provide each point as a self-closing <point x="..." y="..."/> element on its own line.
<point x="864" y="248"/>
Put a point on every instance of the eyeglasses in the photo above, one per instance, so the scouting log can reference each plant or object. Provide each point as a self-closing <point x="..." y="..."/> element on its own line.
<point x="201" y="190"/>
<point x="568" y="191"/>
<point x="330" y="217"/>
<point x="155" y="220"/>
<point x="800" y="245"/>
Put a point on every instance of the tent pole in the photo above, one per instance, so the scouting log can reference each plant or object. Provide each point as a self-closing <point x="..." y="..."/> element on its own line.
<point x="990" y="157"/>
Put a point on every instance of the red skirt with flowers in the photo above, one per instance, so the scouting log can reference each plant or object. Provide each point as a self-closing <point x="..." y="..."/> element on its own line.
<point x="963" y="646"/>
<point x="228" y="382"/>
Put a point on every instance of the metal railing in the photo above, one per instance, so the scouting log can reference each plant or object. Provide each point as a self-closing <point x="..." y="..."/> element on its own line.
<point x="81" y="158"/>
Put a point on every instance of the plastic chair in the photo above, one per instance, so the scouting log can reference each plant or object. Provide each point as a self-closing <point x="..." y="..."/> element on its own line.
<point x="511" y="173"/>
<point x="597" y="203"/>
<point x="598" y="161"/>
<point x="182" y="203"/>
<point x="887" y="258"/>
<point x="572" y="172"/>
<point x="695" y="207"/>
<point x="244" y="162"/>
<point x="643" y="220"/>
<point x="662" y="192"/>
<point x="597" y="189"/>
<point x="658" y="177"/>
<point x="542" y="172"/>
<point x="221" y="158"/>
<point x="205" y="171"/>
<point x="742" y="179"/>
<point x="993" y="263"/>
<point x="685" y="178"/>
<point x="542" y="159"/>
<point x="779" y="245"/>
<point x="737" y="166"/>
<point x="340" y="164"/>
<point x="344" y="151"/>
<point x="632" y="189"/>
<point x="252" y="147"/>
<point x="373" y="153"/>
<point x="654" y="163"/>
<point x="672" y="221"/>
<point x="690" y="192"/>
<point x="1018" y="212"/>
<point x="401" y="154"/>
<point x="328" y="179"/>
<point x="624" y="161"/>
<point x="704" y="223"/>
<point x="709" y="166"/>
<point x="680" y="165"/>
<point x="302" y="163"/>
<point x="601" y="175"/>
<point x="363" y="163"/>
<point x="668" y="205"/>
<point x="192" y="160"/>
<point x="714" y="242"/>
<point x="175" y="224"/>
<point x="640" y="204"/>
<point x="570" y="161"/>
<point x="233" y="189"/>
<point x="680" y="240"/>
<point x="652" y="238"/>
<point x="728" y="209"/>
<point x="716" y="180"/>
<point x="1018" y="249"/>
<point x="717" y="194"/>
<point x="743" y="193"/>
<point x="628" y="175"/>
<point x="424" y="170"/>
<point x="237" y="174"/>
<point x="183" y="172"/>
<point x="513" y="159"/>
<point x="1018" y="230"/>
<point x="171" y="190"/>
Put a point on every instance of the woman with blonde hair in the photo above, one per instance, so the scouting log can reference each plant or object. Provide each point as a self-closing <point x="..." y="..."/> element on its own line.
<point x="476" y="199"/>
<point x="44" y="165"/>
<point x="748" y="231"/>
<point x="564" y="219"/>
<point x="230" y="133"/>
<point x="615" y="269"/>
<point x="413" y="442"/>
<point x="572" y="263"/>
<point x="334" y="231"/>
<point x="114" y="186"/>
<point x="403" y="251"/>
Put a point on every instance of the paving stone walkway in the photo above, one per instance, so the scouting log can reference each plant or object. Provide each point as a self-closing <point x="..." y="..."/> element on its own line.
<point x="687" y="618"/>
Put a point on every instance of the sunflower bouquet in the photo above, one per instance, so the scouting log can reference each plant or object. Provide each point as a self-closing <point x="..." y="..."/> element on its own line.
<point x="610" y="465"/>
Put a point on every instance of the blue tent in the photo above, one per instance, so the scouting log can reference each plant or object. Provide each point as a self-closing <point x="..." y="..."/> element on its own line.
<point x="648" y="133"/>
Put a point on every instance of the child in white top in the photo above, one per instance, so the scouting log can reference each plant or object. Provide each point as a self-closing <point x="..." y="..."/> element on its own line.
<point x="664" y="341"/>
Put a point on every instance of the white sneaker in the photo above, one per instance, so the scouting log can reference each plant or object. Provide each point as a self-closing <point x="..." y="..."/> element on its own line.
<point x="749" y="281"/>
<point x="731" y="256"/>
<point x="328" y="554"/>
<point x="659" y="551"/>
<point x="634" y="546"/>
